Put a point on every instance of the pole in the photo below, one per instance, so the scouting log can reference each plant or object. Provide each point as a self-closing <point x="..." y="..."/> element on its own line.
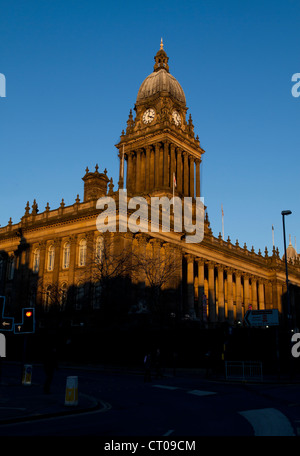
<point x="287" y="278"/>
<point x="222" y="222"/>
<point x="288" y="297"/>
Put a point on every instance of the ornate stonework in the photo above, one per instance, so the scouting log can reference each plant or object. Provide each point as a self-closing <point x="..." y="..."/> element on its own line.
<point x="218" y="278"/>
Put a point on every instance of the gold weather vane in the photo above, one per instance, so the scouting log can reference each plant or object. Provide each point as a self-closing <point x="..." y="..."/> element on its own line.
<point x="161" y="44"/>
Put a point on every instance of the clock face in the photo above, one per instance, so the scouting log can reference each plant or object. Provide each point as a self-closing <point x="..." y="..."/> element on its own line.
<point x="176" y="118"/>
<point x="148" y="116"/>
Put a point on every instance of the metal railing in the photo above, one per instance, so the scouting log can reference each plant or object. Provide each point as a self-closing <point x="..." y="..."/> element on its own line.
<point x="243" y="370"/>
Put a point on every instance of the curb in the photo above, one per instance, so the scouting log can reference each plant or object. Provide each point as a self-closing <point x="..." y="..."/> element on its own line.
<point x="98" y="405"/>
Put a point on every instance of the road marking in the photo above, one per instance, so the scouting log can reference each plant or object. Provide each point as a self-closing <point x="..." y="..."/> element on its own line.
<point x="268" y="422"/>
<point x="166" y="387"/>
<point x="106" y="406"/>
<point x="201" y="393"/>
<point x="168" y="433"/>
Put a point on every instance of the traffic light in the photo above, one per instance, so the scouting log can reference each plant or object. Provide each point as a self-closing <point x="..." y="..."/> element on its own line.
<point x="6" y="323"/>
<point x="28" y="322"/>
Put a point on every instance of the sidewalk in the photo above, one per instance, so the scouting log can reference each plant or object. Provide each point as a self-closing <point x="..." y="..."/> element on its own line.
<point x="20" y="402"/>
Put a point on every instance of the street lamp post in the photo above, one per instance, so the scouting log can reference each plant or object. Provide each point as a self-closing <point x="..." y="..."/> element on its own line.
<point x="284" y="213"/>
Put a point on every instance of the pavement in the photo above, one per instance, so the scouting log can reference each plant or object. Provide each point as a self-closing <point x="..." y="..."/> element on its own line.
<point x="25" y="402"/>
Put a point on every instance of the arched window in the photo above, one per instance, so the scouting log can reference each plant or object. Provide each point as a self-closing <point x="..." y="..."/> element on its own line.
<point x="82" y="252"/>
<point x="99" y="249"/>
<point x="50" y="265"/>
<point x="66" y="256"/>
<point x="36" y="260"/>
<point x="11" y="268"/>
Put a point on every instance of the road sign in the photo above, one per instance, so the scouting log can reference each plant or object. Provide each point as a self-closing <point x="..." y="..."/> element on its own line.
<point x="266" y="317"/>
<point x="6" y="323"/>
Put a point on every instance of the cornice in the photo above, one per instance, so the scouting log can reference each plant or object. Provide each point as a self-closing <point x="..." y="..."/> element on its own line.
<point x="142" y="139"/>
<point x="49" y="222"/>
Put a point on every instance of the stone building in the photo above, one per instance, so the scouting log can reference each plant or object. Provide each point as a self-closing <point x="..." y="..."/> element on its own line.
<point x="56" y="249"/>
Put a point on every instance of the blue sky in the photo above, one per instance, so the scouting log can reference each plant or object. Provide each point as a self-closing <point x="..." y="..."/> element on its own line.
<point x="73" y="69"/>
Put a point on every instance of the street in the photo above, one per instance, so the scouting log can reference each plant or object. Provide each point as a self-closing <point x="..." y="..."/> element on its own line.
<point x="182" y="405"/>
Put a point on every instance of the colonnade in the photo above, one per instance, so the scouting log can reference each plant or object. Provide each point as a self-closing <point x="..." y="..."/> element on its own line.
<point x="217" y="293"/>
<point x="154" y="167"/>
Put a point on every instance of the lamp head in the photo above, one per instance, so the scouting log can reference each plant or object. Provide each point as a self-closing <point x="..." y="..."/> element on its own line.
<point x="286" y="212"/>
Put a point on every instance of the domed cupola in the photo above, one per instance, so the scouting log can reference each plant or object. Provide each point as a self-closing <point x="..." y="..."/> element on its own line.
<point x="291" y="252"/>
<point x="158" y="151"/>
<point x="160" y="82"/>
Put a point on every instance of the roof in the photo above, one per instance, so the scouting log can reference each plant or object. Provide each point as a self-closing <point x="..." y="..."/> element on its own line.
<point x="158" y="82"/>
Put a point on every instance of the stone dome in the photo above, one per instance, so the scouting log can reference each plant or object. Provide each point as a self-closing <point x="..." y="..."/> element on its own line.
<point x="158" y="82"/>
<point x="291" y="252"/>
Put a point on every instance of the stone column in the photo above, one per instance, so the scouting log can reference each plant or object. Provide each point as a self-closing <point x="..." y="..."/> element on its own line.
<point x="121" y="171"/>
<point x="179" y="170"/>
<point x="254" y="293"/>
<point x="166" y="173"/>
<point x="221" y="303"/>
<point x="198" y="161"/>
<point x="147" y="169"/>
<point x="192" y="172"/>
<point x="200" y="263"/>
<point x="42" y="265"/>
<point x="190" y="286"/>
<point x="279" y="298"/>
<point x="156" y="165"/>
<point x="239" y="313"/>
<point x="143" y="171"/>
<point x="211" y="292"/>
<point x="172" y="165"/>
<point x="56" y="269"/>
<point x="138" y="171"/>
<point x="73" y="244"/>
<point x="88" y="270"/>
<point x="261" y="295"/>
<point x="230" y="297"/>
<point x="246" y="292"/>
<point x="186" y="174"/>
<point x="129" y="178"/>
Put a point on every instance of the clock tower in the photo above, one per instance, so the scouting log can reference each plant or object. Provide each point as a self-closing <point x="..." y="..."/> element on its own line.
<point x="159" y="149"/>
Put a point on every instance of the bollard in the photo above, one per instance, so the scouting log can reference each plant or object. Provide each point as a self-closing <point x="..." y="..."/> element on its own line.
<point x="71" y="397"/>
<point x="27" y="373"/>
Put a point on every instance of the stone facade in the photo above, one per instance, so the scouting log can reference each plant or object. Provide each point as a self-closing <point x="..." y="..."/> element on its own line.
<point x="216" y="280"/>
